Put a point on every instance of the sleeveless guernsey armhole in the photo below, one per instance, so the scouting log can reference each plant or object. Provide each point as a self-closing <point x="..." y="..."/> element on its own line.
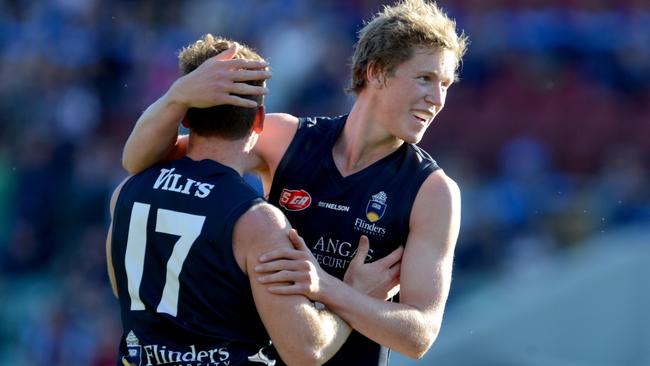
<point x="118" y="202"/>
<point x="237" y="212"/>
<point x="123" y="192"/>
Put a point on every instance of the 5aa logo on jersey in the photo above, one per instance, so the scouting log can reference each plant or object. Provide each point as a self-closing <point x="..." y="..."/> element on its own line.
<point x="295" y="200"/>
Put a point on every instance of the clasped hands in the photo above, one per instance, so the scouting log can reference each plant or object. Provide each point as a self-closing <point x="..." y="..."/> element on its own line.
<point x="295" y="271"/>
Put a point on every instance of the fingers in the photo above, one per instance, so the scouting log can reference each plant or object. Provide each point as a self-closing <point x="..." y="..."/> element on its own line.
<point x="289" y="289"/>
<point x="283" y="276"/>
<point x="250" y="74"/>
<point x="229" y="53"/>
<point x="242" y="63"/>
<point x="362" y="251"/>
<point x="238" y="101"/>
<point x="282" y="264"/>
<point x="394" y="271"/>
<point x="281" y="253"/>
<point x="246" y="89"/>
<point x="394" y="257"/>
<point x="297" y="241"/>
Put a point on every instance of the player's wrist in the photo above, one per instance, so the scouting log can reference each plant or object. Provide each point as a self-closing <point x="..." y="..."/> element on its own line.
<point x="330" y="289"/>
<point x="174" y="98"/>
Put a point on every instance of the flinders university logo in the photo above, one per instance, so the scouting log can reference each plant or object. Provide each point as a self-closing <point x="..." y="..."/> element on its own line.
<point x="376" y="207"/>
<point x="134" y="351"/>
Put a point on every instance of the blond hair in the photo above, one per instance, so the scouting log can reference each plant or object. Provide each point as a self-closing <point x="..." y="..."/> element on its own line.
<point x="193" y="55"/>
<point x="391" y="36"/>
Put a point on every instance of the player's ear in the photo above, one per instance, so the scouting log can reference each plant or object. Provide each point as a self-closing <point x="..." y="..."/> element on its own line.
<point x="258" y="124"/>
<point x="374" y="74"/>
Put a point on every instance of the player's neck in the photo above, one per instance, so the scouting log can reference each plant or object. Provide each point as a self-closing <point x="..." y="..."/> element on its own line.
<point x="362" y="141"/>
<point x="227" y="152"/>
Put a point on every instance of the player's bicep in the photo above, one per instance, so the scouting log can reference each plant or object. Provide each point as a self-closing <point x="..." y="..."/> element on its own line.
<point x="289" y="319"/>
<point x="283" y="317"/>
<point x="428" y="256"/>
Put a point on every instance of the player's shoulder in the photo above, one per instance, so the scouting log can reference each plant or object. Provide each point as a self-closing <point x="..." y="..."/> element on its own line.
<point x="281" y="119"/>
<point x="260" y="229"/>
<point x="279" y="129"/>
<point x="263" y="220"/>
<point x="439" y="186"/>
<point x="436" y="211"/>
<point x="264" y="213"/>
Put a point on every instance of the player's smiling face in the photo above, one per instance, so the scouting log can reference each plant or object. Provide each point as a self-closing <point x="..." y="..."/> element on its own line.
<point x="416" y="92"/>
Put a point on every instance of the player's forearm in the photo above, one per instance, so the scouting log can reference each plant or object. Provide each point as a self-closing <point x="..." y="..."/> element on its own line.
<point x="311" y="337"/>
<point x="334" y="332"/>
<point x="154" y="134"/>
<point x="401" y="327"/>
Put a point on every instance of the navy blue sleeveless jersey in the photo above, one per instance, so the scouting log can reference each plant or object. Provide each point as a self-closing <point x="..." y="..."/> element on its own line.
<point x="331" y="212"/>
<point x="183" y="298"/>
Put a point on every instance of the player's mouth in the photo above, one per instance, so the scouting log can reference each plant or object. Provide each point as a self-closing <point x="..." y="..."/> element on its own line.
<point x="423" y="117"/>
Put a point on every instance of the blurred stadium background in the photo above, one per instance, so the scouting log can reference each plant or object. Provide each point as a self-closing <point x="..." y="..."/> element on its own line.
<point x="548" y="135"/>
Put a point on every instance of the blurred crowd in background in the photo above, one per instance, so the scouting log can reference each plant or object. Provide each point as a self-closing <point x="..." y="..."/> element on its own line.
<point x="547" y="133"/>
